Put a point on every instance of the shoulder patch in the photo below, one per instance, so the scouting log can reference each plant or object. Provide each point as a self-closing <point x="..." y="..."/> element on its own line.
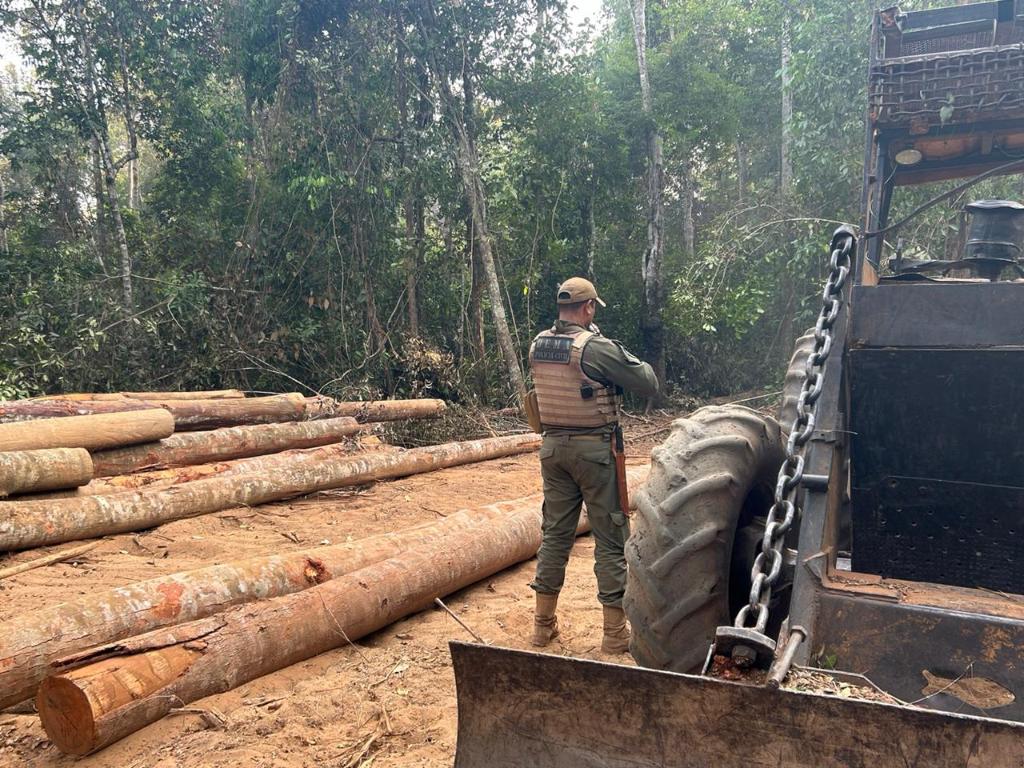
<point x="630" y="357"/>
<point x="553" y="349"/>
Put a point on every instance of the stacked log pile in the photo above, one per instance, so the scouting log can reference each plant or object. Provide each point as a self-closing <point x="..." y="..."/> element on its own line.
<point x="137" y="681"/>
<point x="129" y="461"/>
<point x="201" y="413"/>
<point x="105" y="692"/>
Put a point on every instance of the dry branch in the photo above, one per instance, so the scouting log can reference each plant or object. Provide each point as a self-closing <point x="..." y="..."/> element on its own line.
<point x="39" y="562"/>
<point x="26" y="524"/>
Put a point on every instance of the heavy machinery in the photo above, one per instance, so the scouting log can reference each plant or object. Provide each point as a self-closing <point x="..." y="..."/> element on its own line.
<point x="885" y="554"/>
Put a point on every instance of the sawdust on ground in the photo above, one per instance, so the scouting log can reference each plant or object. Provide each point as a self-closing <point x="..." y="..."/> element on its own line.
<point x="388" y="701"/>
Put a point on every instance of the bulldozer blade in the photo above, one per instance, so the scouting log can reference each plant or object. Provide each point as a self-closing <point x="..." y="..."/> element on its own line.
<point x="533" y="710"/>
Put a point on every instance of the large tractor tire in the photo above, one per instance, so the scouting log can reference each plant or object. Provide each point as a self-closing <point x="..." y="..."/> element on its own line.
<point x="794" y="380"/>
<point x="696" y="532"/>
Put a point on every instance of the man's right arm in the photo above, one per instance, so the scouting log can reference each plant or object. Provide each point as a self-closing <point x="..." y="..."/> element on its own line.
<point x="605" y="359"/>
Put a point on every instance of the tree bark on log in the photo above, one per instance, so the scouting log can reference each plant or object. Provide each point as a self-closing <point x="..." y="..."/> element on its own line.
<point x="222" y="444"/>
<point x="31" y="643"/>
<point x="14" y="411"/>
<point x="390" y="410"/>
<point x="192" y="415"/>
<point x="27" y="524"/>
<point x="188" y="414"/>
<point x="44" y="470"/>
<point x="197" y="414"/>
<point x="94" y="432"/>
<point x="209" y="394"/>
<point x="163" y="478"/>
<point x="139" y="681"/>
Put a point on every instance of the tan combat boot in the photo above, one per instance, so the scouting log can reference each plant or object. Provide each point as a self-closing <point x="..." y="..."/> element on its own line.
<point x="616" y="633"/>
<point x="545" y="625"/>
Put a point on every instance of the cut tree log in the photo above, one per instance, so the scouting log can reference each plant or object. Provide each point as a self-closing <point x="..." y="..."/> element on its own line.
<point x="164" y="478"/>
<point x="31" y="410"/>
<point x="96" y="432"/>
<point x="44" y="470"/>
<point x="137" y="681"/>
<point x="222" y="444"/>
<point x="211" y="414"/>
<point x="210" y="394"/>
<point x="390" y="410"/>
<point x="26" y="524"/>
<point x="188" y="414"/>
<point x="30" y="643"/>
<point x="194" y="414"/>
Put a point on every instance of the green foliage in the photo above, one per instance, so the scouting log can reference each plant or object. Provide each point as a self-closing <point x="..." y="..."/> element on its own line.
<point x="296" y="172"/>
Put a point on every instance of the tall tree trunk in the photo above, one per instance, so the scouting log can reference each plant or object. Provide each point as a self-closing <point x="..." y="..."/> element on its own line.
<point x="101" y="241"/>
<point x="407" y="160"/>
<point x="741" y="172"/>
<point x="589" y="234"/>
<point x="789" y="279"/>
<point x="93" y="111"/>
<point x="689" y="224"/>
<point x="376" y="335"/>
<point x="134" y="193"/>
<point x="468" y="163"/>
<point x="129" y="124"/>
<point x="476" y="310"/>
<point x="786" y="145"/>
<point x="3" y="220"/>
<point x="110" y="180"/>
<point x="652" y="329"/>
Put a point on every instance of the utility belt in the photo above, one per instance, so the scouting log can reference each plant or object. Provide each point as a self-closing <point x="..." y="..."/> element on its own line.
<point x="567" y="437"/>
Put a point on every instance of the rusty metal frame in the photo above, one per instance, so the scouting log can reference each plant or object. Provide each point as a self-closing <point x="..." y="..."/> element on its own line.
<point x="518" y="708"/>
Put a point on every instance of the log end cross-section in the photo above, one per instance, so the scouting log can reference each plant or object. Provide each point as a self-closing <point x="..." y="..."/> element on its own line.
<point x="75" y="700"/>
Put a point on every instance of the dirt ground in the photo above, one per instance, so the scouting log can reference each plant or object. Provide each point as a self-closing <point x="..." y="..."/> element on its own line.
<point x="389" y="700"/>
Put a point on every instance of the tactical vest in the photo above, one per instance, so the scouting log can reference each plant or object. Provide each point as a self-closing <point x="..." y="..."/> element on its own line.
<point x="566" y="396"/>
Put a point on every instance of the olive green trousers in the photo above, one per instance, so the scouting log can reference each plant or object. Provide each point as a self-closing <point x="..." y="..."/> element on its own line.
<point x="579" y="469"/>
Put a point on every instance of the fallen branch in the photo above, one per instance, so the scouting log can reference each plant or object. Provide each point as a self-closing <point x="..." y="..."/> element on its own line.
<point x="440" y="604"/>
<point x="40" y="562"/>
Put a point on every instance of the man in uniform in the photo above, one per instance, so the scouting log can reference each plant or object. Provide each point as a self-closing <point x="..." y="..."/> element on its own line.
<point x="579" y="376"/>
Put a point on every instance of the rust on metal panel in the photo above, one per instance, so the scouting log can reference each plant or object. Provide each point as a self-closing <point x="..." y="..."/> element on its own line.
<point x="983" y="601"/>
<point x="903" y="648"/>
<point x="518" y="708"/>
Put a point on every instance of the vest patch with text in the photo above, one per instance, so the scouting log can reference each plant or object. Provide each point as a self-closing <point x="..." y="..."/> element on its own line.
<point x="553" y="349"/>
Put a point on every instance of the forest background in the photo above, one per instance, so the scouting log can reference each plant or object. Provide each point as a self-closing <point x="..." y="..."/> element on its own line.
<point x="378" y="198"/>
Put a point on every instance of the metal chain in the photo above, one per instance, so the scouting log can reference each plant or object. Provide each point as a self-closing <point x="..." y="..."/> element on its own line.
<point x="768" y="564"/>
